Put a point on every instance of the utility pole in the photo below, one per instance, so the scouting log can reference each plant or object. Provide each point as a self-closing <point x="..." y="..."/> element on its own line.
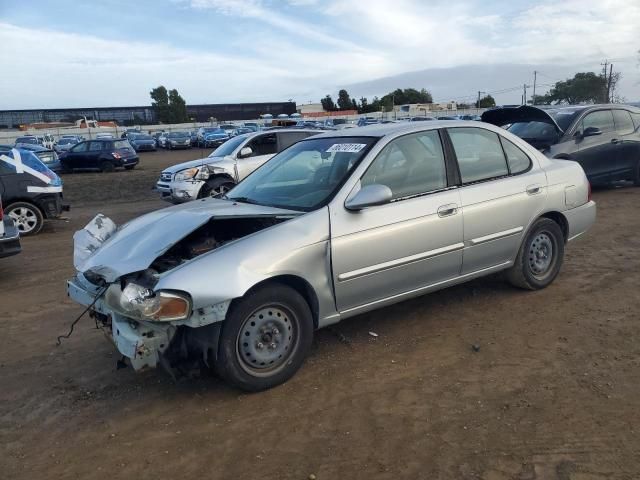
<point x="604" y="73"/>
<point x="478" y="102"/>
<point x="535" y="77"/>
<point x="609" y="83"/>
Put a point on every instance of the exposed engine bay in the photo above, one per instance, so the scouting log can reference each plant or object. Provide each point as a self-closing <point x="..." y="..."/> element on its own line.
<point x="210" y="236"/>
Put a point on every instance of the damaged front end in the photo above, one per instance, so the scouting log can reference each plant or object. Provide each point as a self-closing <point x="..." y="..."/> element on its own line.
<point x="151" y="326"/>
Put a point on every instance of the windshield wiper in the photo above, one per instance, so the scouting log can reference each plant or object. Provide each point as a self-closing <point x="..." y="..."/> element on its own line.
<point x="242" y="200"/>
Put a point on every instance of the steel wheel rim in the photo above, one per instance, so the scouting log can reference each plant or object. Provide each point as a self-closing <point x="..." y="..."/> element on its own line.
<point x="267" y="340"/>
<point x="541" y="254"/>
<point x="217" y="192"/>
<point x="24" y="219"/>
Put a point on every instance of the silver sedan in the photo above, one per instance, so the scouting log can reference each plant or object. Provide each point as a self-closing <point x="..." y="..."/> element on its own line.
<point x="334" y="226"/>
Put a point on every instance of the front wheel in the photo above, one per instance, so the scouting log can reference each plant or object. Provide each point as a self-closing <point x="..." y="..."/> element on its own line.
<point x="216" y="187"/>
<point x="540" y="256"/>
<point x="27" y="218"/>
<point x="265" y="338"/>
<point x="129" y="167"/>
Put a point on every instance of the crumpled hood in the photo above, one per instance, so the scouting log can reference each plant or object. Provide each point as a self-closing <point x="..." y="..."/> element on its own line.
<point x="524" y="113"/>
<point x="138" y="243"/>
<point x="194" y="163"/>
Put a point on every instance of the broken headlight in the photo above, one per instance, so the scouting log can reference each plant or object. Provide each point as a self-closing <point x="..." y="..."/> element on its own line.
<point x="187" y="174"/>
<point x="141" y="303"/>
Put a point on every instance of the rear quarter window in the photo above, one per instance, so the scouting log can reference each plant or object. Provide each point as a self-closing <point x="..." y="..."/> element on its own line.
<point x="121" y="144"/>
<point x="518" y="161"/>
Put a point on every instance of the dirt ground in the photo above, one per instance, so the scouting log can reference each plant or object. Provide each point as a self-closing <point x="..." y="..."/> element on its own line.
<point x="553" y="392"/>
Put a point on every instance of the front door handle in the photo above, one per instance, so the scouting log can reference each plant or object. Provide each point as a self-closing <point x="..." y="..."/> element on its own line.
<point x="448" y="210"/>
<point x="534" y="189"/>
<point x="615" y="140"/>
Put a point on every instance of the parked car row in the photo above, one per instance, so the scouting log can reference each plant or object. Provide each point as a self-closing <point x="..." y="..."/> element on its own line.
<point x="335" y="224"/>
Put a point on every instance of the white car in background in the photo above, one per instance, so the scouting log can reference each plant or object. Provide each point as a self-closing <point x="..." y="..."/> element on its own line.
<point x="226" y="165"/>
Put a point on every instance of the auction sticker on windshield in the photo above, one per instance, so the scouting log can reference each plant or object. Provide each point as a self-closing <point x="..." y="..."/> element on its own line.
<point x="346" y="147"/>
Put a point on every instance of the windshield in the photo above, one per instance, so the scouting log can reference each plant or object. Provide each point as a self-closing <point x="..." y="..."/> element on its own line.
<point x="178" y="135"/>
<point x="217" y="131"/>
<point x="210" y="129"/>
<point x="32" y="140"/>
<point x="66" y="141"/>
<point x="144" y="137"/>
<point x="306" y="175"/>
<point x="228" y="147"/>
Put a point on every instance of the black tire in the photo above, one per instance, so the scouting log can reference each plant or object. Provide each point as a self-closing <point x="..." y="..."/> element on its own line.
<point x="540" y="256"/>
<point x="274" y="315"/>
<point x="27" y="217"/>
<point x="216" y="186"/>
<point x="107" y="166"/>
<point x="129" y="167"/>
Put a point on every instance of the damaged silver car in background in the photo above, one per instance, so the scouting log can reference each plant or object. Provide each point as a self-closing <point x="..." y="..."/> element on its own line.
<point x="336" y="225"/>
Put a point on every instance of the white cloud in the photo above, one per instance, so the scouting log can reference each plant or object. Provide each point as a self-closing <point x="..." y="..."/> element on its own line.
<point x="303" y="49"/>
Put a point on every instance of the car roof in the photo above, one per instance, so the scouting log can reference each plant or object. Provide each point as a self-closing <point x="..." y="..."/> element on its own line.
<point x="380" y="130"/>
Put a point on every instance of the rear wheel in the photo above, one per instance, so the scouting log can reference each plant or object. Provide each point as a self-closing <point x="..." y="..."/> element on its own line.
<point x="265" y="338"/>
<point x="27" y="218"/>
<point x="540" y="256"/>
<point x="216" y="187"/>
<point x="107" y="166"/>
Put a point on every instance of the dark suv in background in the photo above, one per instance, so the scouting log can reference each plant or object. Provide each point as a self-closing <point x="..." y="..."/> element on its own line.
<point x="604" y="139"/>
<point x="103" y="154"/>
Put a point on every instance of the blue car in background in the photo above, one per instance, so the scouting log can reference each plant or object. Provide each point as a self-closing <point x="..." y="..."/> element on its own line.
<point x="215" y="138"/>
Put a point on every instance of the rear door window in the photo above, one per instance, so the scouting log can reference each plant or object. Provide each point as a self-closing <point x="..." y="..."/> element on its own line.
<point x="602" y="119"/>
<point x="636" y="120"/>
<point x="479" y="153"/>
<point x="624" y="124"/>
<point x="95" y="146"/>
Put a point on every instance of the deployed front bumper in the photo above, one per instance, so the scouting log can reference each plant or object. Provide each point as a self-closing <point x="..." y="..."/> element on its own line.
<point x="178" y="192"/>
<point x="141" y="342"/>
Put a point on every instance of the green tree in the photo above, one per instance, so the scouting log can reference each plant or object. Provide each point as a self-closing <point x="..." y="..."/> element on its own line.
<point x="364" y="105"/>
<point x="486" y="102"/>
<point x="160" y="104"/>
<point x="177" y="107"/>
<point x="344" y="100"/>
<point x="584" y="87"/>
<point x="327" y="104"/>
<point x="405" y="96"/>
<point x="354" y="104"/>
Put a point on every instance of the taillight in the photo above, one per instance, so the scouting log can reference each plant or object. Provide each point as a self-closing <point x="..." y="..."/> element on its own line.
<point x="116" y="155"/>
<point x="589" y="192"/>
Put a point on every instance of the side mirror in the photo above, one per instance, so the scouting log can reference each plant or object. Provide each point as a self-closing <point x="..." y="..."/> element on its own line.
<point x="591" y="131"/>
<point x="245" y="152"/>
<point x="369" y="196"/>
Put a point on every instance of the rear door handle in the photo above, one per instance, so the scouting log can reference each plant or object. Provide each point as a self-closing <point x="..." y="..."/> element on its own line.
<point x="534" y="189"/>
<point x="615" y="140"/>
<point x="448" y="210"/>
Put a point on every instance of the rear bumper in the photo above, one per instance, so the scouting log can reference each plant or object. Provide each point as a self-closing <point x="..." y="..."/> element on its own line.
<point x="580" y="219"/>
<point x="10" y="241"/>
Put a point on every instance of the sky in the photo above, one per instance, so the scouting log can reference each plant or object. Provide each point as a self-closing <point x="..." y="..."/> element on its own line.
<point x="70" y="53"/>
